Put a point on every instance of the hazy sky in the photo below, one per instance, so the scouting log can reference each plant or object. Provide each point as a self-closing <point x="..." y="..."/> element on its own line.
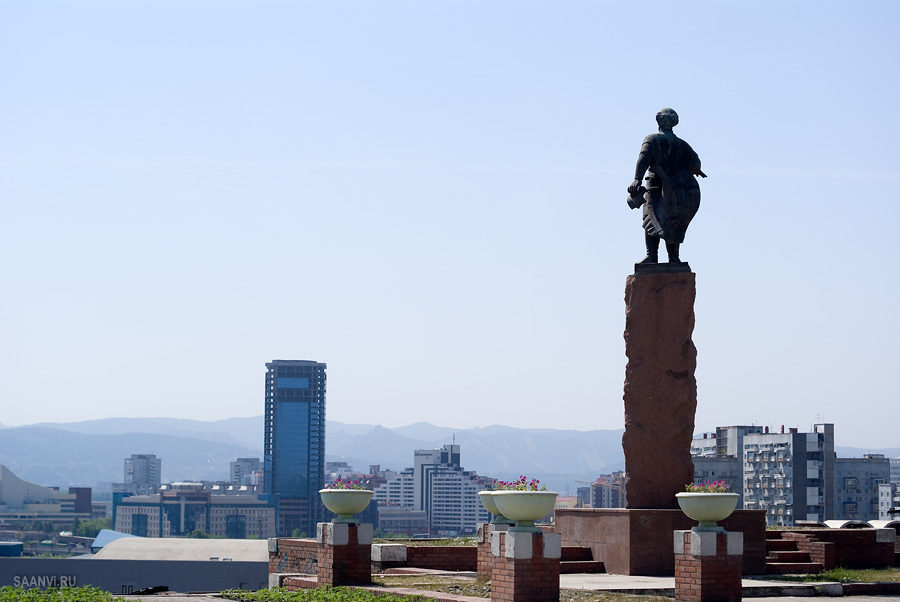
<point x="430" y="197"/>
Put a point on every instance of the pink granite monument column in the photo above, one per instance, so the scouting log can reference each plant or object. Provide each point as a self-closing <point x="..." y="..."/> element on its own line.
<point x="660" y="388"/>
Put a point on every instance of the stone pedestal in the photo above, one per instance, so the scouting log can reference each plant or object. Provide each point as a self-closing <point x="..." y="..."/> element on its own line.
<point x="639" y="542"/>
<point x="388" y="556"/>
<point x="660" y="388"/>
<point x="708" y="566"/>
<point x="525" y="566"/>
<point x="344" y="554"/>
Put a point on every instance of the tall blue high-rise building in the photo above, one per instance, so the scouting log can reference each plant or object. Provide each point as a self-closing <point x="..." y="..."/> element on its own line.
<point x="294" y="464"/>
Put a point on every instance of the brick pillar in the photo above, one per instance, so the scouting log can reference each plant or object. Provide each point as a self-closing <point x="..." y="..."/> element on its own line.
<point x="345" y="553"/>
<point x="525" y="566"/>
<point x="485" y="560"/>
<point x="708" y="565"/>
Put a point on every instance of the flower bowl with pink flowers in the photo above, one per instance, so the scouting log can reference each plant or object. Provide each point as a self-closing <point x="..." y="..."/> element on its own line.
<point x="346" y="499"/>
<point x="707" y="503"/>
<point x="523" y="501"/>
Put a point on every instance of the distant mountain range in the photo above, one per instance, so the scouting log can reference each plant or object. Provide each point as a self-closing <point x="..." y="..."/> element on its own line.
<point x="91" y="452"/>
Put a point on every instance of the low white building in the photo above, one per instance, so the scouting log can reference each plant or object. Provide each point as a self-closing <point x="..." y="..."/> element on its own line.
<point x="181" y="512"/>
<point x="22" y="501"/>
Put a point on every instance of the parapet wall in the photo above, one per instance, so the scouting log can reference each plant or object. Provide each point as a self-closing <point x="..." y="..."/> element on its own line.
<point x="288" y="555"/>
<point x="442" y="558"/>
<point x="853" y="548"/>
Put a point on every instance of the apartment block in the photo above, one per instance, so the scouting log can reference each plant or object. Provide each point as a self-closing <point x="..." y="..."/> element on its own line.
<point x="793" y="476"/>
<point x="717" y="468"/>
<point x="608" y="491"/>
<point x="856" y="486"/>
<point x="888" y="501"/>
<point x="895" y="470"/>
<point x="398" y="491"/>
<point x="143" y="473"/>
<point x="246" y="471"/>
<point x="439" y="486"/>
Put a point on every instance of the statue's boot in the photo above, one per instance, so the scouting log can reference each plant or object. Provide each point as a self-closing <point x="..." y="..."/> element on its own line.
<point x="652" y="243"/>
<point x="672" y="250"/>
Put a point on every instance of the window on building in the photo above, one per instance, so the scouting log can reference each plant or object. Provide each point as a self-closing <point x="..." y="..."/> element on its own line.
<point x="236" y="526"/>
<point x="139" y="525"/>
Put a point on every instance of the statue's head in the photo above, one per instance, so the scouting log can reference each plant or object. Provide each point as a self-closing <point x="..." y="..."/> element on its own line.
<point x="667" y="118"/>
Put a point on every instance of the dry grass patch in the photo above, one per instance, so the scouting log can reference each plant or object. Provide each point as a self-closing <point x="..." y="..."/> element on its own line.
<point x="843" y="575"/>
<point x="482" y="589"/>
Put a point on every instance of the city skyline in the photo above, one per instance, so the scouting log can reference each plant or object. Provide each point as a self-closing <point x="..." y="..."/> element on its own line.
<point x="449" y="180"/>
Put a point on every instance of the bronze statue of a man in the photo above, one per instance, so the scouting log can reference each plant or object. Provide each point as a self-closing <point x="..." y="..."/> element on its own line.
<point x="672" y="195"/>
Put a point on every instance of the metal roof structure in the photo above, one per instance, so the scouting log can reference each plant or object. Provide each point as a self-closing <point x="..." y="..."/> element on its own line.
<point x="177" y="548"/>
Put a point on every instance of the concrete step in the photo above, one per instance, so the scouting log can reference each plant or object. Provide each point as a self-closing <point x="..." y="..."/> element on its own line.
<point x="568" y="567"/>
<point x="780" y="544"/>
<point x="571" y="553"/>
<point x="786" y="568"/>
<point x="788" y="556"/>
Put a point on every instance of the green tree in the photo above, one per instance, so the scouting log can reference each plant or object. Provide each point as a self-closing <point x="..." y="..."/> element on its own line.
<point x="198" y="534"/>
<point x="90" y="528"/>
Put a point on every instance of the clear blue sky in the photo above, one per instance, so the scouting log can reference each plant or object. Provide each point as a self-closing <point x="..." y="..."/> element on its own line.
<point x="430" y="197"/>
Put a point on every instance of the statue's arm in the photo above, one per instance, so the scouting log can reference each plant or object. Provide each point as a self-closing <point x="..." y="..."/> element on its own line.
<point x="695" y="164"/>
<point x="643" y="164"/>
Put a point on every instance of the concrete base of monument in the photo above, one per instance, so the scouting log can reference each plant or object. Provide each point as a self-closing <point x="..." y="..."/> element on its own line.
<point x="639" y="542"/>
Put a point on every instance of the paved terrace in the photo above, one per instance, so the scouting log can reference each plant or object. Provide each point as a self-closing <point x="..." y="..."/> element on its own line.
<point x="758" y="589"/>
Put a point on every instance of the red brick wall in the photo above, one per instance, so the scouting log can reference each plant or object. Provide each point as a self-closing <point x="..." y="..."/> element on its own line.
<point x="707" y="577"/>
<point x="853" y="548"/>
<point x="294" y="556"/>
<point x="444" y="558"/>
<point x="534" y="579"/>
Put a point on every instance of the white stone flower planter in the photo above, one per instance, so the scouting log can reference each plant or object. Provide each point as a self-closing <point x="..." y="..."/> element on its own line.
<point x="707" y="508"/>
<point x="488" y="502"/>
<point x="345" y="503"/>
<point x="524" y="507"/>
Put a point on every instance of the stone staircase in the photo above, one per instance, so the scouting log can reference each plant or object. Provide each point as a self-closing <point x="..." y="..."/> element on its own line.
<point x="575" y="559"/>
<point x="783" y="557"/>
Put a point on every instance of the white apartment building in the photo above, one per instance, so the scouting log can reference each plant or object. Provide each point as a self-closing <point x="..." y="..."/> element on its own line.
<point x="398" y="491"/>
<point x="438" y="485"/>
<point x="793" y="476"/>
<point x="888" y="499"/>
<point x="790" y="474"/>
<point x="715" y="468"/>
<point x="452" y="505"/>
